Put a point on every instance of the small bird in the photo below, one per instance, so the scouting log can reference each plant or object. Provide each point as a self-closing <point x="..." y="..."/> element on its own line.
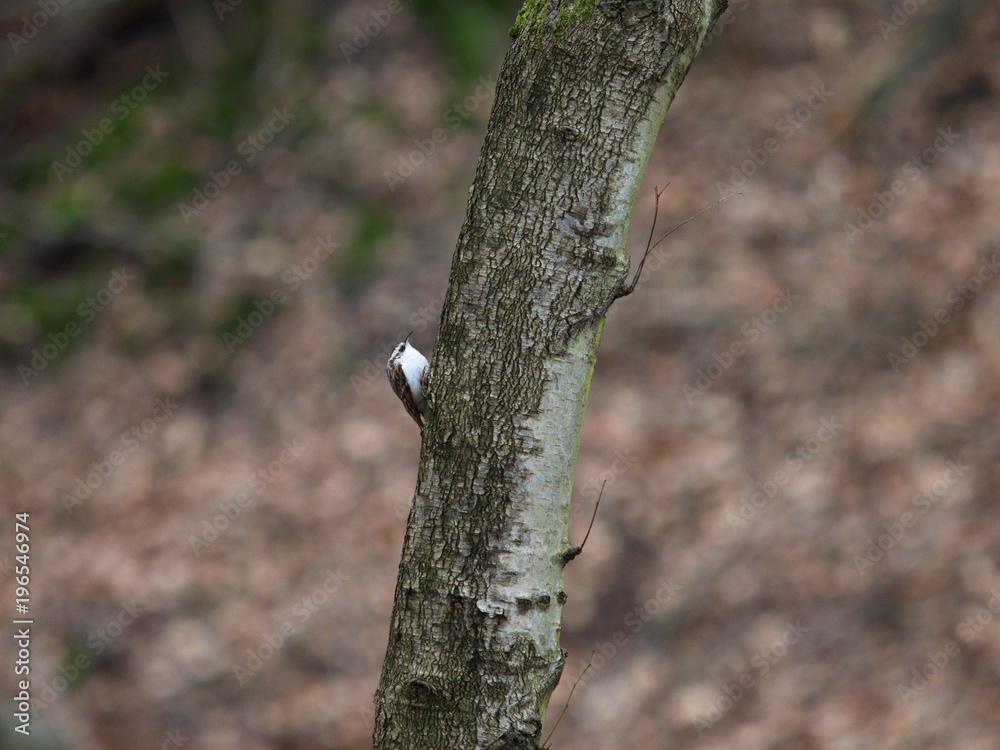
<point x="406" y="368"/>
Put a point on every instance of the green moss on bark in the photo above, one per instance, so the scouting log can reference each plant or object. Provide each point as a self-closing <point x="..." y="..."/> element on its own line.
<point x="535" y="14"/>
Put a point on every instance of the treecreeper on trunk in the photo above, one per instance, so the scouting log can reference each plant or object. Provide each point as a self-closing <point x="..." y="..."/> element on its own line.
<point x="473" y="652"/>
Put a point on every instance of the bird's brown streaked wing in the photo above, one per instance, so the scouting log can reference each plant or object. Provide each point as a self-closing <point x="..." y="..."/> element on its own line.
<point x="412" y="409"/>
<point x="398" y="381"/>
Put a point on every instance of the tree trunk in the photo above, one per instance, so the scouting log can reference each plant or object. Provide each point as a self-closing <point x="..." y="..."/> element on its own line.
<point x="473" y="650"/>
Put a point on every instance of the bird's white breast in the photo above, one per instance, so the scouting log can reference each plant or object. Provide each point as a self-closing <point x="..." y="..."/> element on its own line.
<point x="413" y="363"/>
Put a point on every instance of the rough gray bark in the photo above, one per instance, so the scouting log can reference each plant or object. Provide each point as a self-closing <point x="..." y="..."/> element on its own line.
<point x="473" y="650"/>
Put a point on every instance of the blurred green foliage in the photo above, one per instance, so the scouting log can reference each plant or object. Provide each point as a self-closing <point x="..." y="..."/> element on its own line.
<point x="361" y="257"/>
<point x="80" y="207"/>
<point x="471" y="34"/>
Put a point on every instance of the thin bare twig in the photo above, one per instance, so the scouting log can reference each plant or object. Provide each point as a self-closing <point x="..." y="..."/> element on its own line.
<point x="572" y="552"/>
<point x="593" y="517"/>
<point x="650" y="245"/>
<point x="568" y="699"/>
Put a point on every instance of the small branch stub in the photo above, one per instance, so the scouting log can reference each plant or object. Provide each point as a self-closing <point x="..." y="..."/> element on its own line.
<point x="572" y="552"/>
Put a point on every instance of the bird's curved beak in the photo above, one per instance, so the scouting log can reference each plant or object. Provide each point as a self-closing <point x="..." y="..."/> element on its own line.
<point x="407" y="339"/>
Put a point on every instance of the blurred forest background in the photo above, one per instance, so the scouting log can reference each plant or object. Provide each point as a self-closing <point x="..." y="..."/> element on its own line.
<point x="217" y="217"/>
